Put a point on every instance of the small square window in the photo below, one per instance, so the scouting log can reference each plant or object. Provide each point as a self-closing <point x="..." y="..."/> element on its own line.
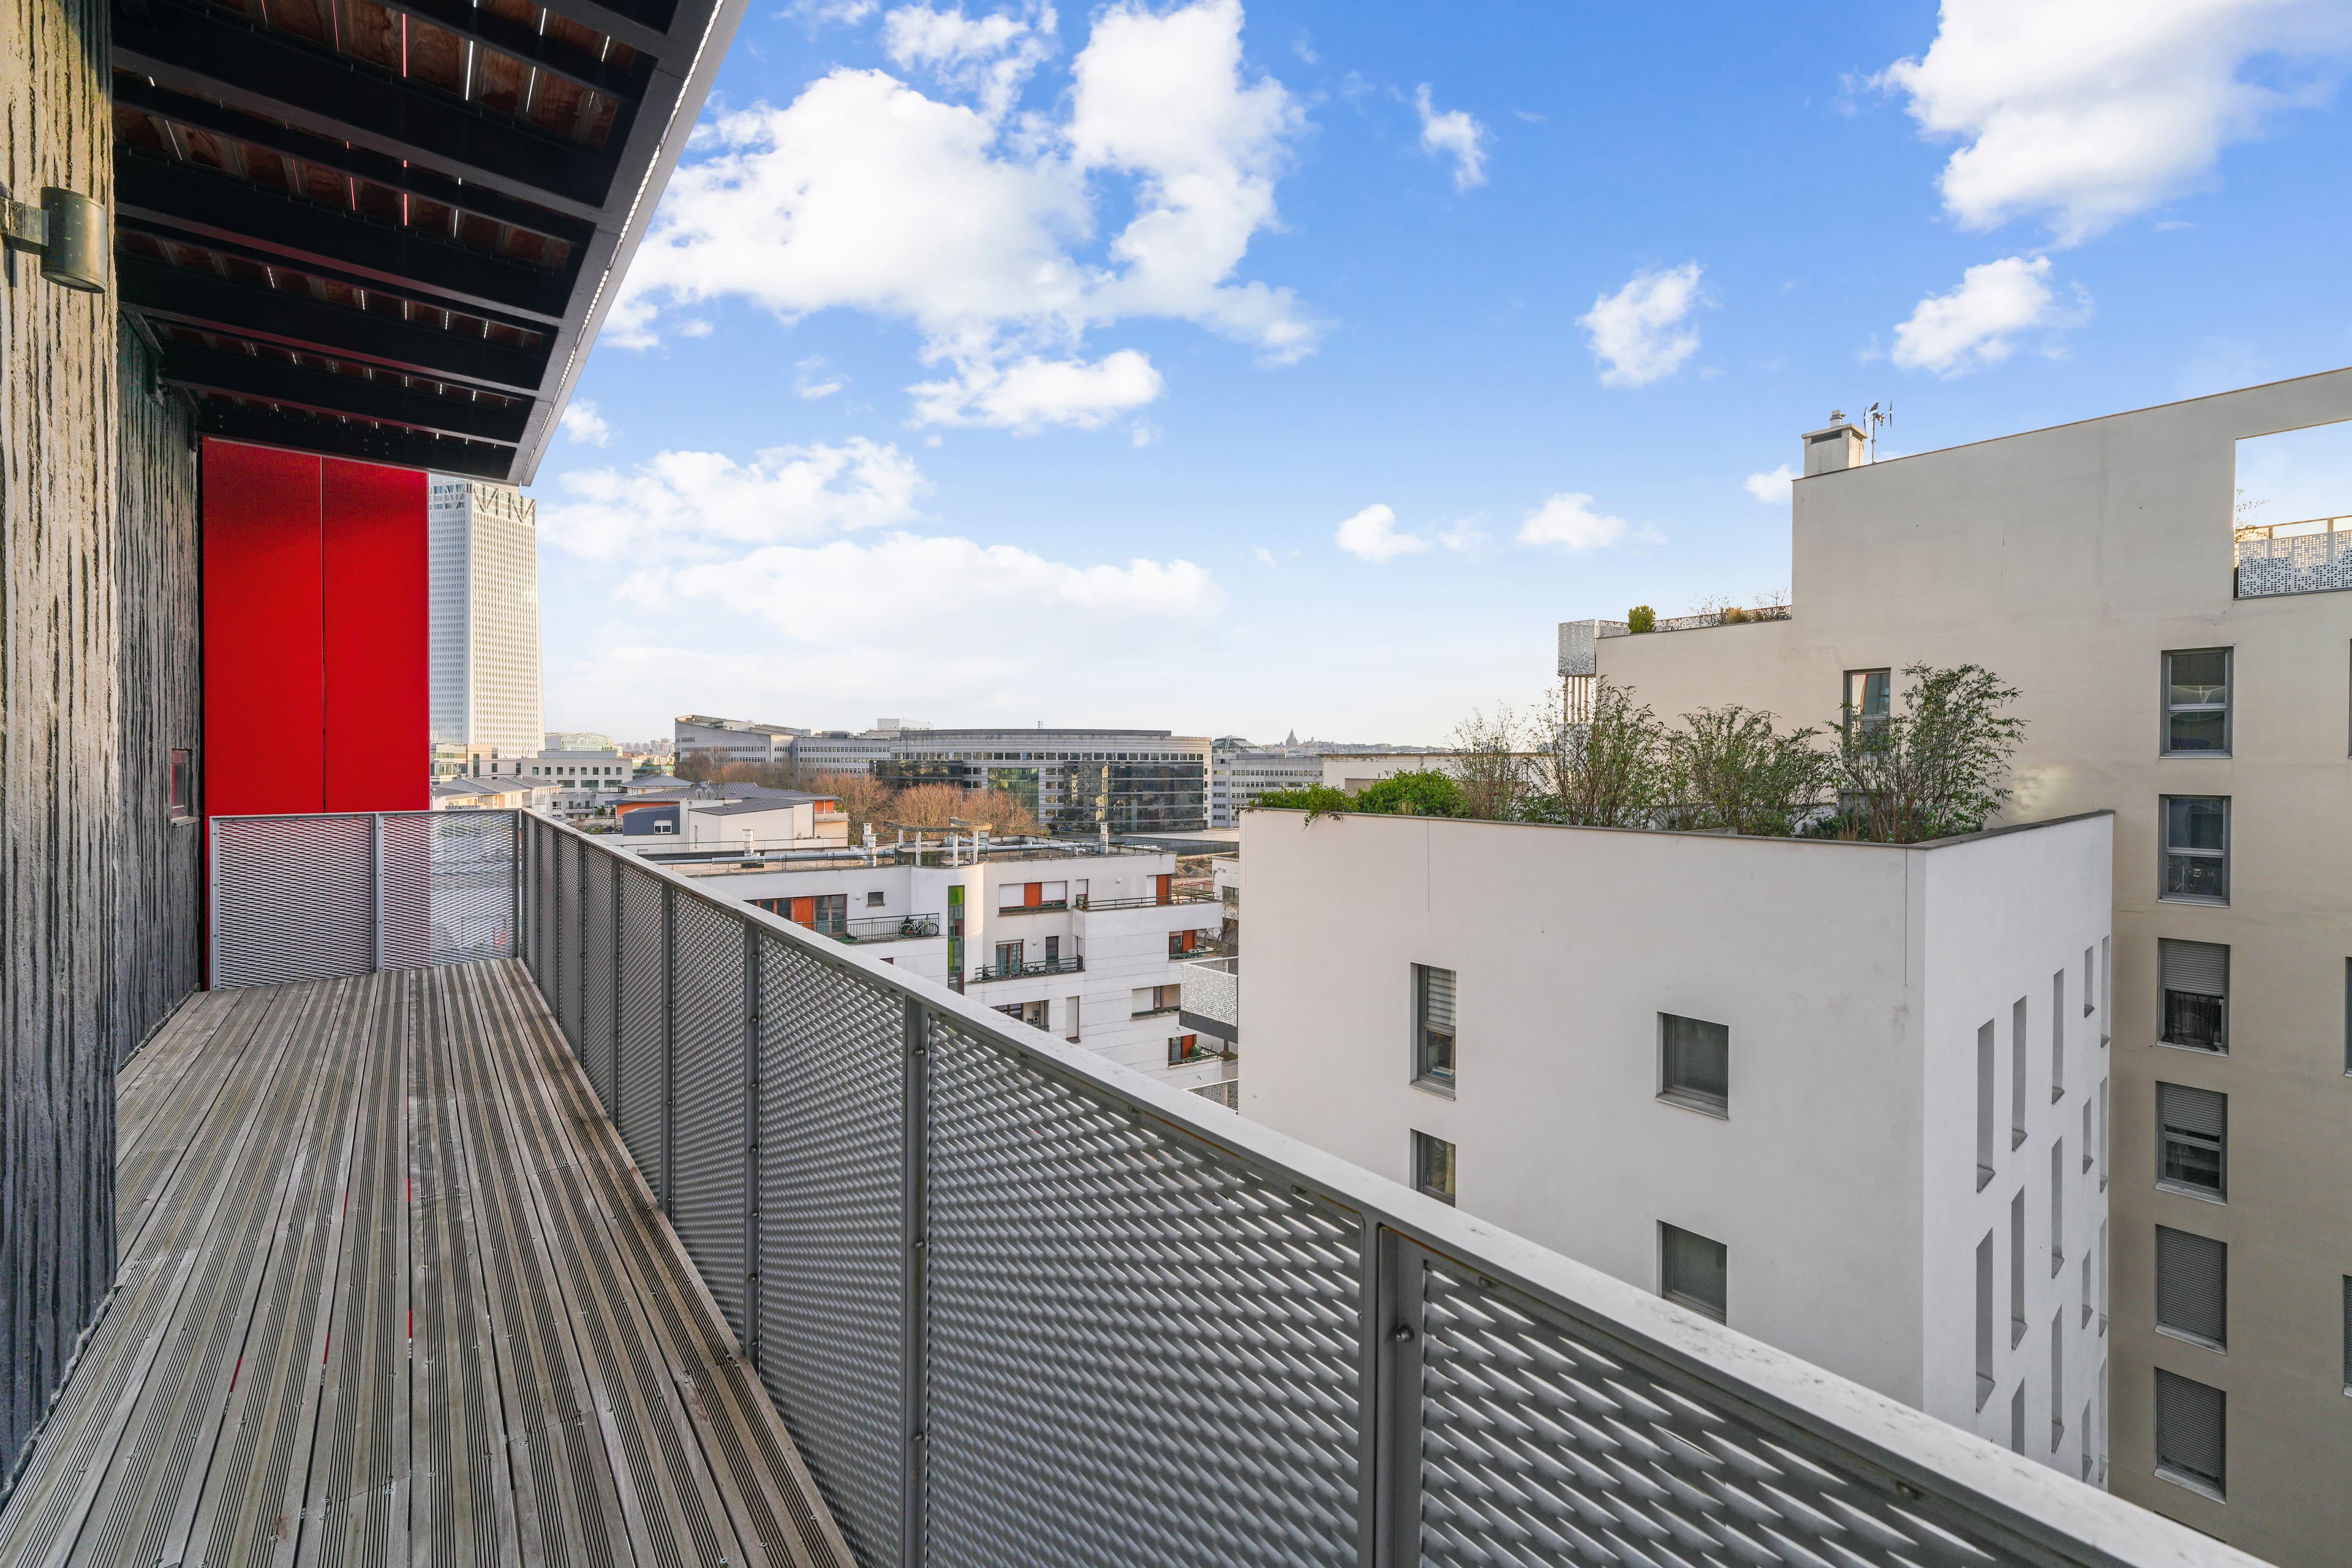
<point x="182" y="786"/>
<point x="2197" y="702"/>
<point x="1695" y="1064"/>
<point x="2194" y="977"/>
<point x="2192" y="1287"/>
<point x="1868" y="698"/>
<point x="2191" y="1434"/>
<point x="1433" y="1028"/>
<point x="874" y="901"/>
<point x="2196" y="867"/>
<point x="2192" y="1140"/>
<point x="1693" y="1271"/>
<point x="1432" y="1167"/>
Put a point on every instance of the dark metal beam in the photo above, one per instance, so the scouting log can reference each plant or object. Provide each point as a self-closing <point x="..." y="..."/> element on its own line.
<point x="203" y="114"/>
<point x="324" y="391"/>
<point x="644" y="26"/>
<point x="183" y="195"/>
<point x="313" y="326"/>
<point x="373" y="444"/>
<point x="212" y="54"/>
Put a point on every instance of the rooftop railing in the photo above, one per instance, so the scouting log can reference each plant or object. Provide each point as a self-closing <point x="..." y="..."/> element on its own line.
<point x="1027" y="971"/>
<point x="1016" y="1304"/>
<point x="2314" y="556"/>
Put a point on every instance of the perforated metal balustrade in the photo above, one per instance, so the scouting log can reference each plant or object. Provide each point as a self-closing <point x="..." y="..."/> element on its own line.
<point x="1017" y="1307"/>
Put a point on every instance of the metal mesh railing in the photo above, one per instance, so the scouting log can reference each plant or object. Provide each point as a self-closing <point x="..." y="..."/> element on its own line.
<point x="325" y="896"/>
<point x="1019" y="1307"/>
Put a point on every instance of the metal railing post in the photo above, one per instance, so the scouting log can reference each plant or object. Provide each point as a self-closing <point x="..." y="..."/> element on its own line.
<point x="375" y="889"/>
<point x="752" y="1143"/>
<point x="915" y="1226"/>
<point x="668" y="1048"/>
<point x="1390" y="1447"/>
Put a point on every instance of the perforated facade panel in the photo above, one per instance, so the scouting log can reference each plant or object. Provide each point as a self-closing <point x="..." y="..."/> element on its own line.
<point x="711" y="1122"/>
<point x="599" y="1020"/>
<point x="832" y="1236"/>
<point x="640" y="1077"/>
<point x="1126" y="1332"/>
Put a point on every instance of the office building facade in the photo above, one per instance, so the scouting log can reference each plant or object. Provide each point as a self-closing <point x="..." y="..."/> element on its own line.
<point x="1075" y="781"/>
<point x="483" y="554"/>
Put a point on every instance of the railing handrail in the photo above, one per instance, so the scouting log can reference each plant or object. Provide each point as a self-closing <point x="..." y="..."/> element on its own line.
<point x="1936" y="1470"/>
<point x="2311" y="524"/>
<point x="1074" y="965"/>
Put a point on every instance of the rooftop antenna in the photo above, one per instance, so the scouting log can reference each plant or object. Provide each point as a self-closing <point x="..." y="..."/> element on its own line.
<point x="1877" y="415"/>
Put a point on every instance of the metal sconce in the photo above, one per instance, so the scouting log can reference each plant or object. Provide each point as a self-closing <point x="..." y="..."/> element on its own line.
<point x="67" y="231"/>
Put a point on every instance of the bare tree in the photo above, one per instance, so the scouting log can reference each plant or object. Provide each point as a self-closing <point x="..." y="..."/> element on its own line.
<point x="1608" y="773"/>
<point x="864" y="798"/>
<point x="1938" y="768"/>
<point x="1729" y="771"/>
<point x="1490" y="762"/>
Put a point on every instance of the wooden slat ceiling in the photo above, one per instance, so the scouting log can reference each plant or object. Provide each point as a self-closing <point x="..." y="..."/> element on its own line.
<point x="381" y="230"/>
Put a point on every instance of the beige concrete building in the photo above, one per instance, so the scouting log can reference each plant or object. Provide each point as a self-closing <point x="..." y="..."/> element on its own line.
<point x="2200" y="685"/>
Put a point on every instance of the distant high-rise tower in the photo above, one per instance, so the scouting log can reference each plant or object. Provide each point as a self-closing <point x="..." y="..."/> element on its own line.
<point x="485" y="564"/>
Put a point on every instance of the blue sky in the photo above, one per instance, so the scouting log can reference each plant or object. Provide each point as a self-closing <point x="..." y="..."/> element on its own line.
<point x="1238" y="369"/>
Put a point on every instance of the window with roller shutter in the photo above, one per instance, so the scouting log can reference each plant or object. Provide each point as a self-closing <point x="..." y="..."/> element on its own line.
<point x="2192" y="1287"/>
<point x="2194" y="1009"/>
<point x="2191" y="1438"/>
<point x="2192" y="1140"/>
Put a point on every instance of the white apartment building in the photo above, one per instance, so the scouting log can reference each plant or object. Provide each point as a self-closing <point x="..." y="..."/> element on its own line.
<point x="1089" y="946"/>
<point x="581" y="781"/>
<point x="2162" y="586"/>
<point x="1354" y="771"/>
<point x="483" y="559"/>
<point x="732" y="739"/>
<point x="1239" y="773"/>
<point x="1849" y="1099"/>
<point x="769" y="821"/>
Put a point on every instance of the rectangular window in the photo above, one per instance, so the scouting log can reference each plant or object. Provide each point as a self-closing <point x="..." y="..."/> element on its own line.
<point x="2197" y="702"/>
<point x="874" y="901"/>
<point x="2190" y="1440"/>
<point x="2057" y="1206"/>
<point x="1868" y="698"/>
<point x="1072" y="1019"/>
<point x="2057" y="1379"/>
<point x="1987" y="1066"/>
<point x="1693" y="1272"/>
<point x="1432" y="1167"/>
<point x="2192" y="1140"/>
<point x="2348" y="1016"/>
<point x="2090" y="1284"/>
<point x="2106" y="988"/>
<point x="1984" y="1320"/>
<point x="2017" y="1073"/>
<point x="2057" y="1036"/>
<point x="1433" y="1028"/>
<point x="1183" y="1048"/>
<point x="1695" y="1064"/>
<point x="2088" y="992"/>
<point x="1053" y="950"/>
<point x="2017" y="1268"/>
<point x="2090" y="1113"/>
<point x="181" y="800"/>
<point x="2106" y="1135"/>
<point x="2017" y="1419"/>
<point x="2106" y="1278"/>
<point x="2192" y="1287"/>
<point x="2196" y="849"/>
<point x="1008" y="956"/>
<point x="2347" y="1334"/>
<point x="2195" y="981"/>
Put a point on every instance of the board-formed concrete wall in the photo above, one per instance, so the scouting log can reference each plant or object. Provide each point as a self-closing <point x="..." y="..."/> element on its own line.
<point x="58" y="724"/>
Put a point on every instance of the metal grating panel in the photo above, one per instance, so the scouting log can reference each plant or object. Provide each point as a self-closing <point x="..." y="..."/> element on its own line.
<point x="1179" y="1334"/>
<point x="293" y="898"/>
<point x="712" y="1119"/>
<point x="544" y="910"/>
<point x="565" y="971"/>
<point x="638" y="1077"/>
<point x="597" y="1019"/>
<point x="832" y="1248"/>
<point x="448" y="887"/>
<point x="1538" y="1446"/>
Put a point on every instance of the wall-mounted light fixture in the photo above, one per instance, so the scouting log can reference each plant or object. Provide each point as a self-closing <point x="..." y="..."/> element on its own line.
<point x="67" y="231"/>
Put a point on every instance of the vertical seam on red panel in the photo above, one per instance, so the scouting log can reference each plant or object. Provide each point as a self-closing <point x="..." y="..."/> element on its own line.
<point x="325" y="696"/>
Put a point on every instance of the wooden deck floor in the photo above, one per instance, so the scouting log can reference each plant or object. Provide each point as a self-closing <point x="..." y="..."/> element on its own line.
<point x="391" y="1292"/>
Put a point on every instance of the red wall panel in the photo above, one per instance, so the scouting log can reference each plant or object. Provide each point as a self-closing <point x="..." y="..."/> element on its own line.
<point x="316" y="611"/>
<point x="377" y="718"/>
<point x="264" y="710"/>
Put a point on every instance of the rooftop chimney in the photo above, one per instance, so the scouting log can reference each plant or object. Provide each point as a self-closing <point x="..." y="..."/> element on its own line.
<point x="1839" y="445"/>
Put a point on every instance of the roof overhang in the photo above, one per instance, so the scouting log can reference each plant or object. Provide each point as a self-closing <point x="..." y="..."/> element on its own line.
<point x="388" y="229"/>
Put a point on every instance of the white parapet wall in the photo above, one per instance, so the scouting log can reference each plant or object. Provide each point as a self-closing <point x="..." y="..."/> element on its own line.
<point x="1842" y="1177"/>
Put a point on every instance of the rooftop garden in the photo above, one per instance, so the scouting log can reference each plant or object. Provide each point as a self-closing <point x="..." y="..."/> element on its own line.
<point x="1936" y="766"/>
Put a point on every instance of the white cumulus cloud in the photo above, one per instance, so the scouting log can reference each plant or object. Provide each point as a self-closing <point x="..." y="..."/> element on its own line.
<point x="1772" y="486"/>
<point x="1643" y="332"/>
<point x="1454" y="134"/>
<point x="1032" y="393"/>
<point x="707" y="504"/>
<point x="582" y="423"/>
<point x="1976" y="323"/>
<point x="813" y="378"/>
<point x="1371" y="535"/>
<point x="2089" y="111"/>
<point x="1569" y="520"/>
<point x="978" y="224"/>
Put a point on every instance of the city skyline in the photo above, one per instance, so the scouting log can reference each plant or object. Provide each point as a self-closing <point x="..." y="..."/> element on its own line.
<point x="1488" y="322"/>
